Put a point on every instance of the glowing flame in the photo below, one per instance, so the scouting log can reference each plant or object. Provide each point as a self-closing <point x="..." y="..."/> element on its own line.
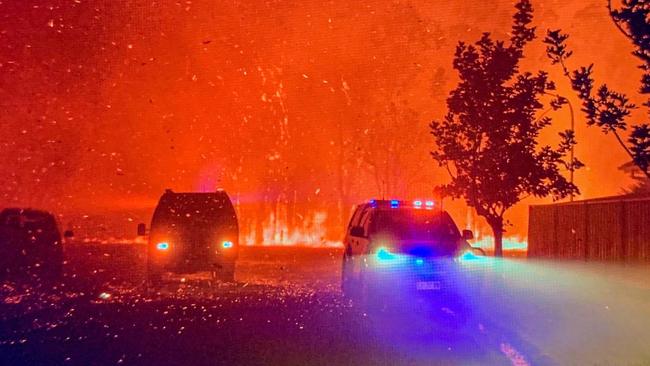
<point x="486" y="242"/>
<point x="312" y="231"/>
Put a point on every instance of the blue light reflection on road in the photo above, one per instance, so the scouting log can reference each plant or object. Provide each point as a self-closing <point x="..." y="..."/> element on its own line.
<point x="521" y="312"/>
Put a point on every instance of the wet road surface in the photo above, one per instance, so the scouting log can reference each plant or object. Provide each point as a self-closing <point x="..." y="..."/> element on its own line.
<point x="286" y="308"/>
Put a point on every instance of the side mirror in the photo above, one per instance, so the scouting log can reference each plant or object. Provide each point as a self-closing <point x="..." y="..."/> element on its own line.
<point x="468" y="235"/>
<point x="357" y="231"/>
<point x="142" y="229"/>
<point x="68" y="234"/>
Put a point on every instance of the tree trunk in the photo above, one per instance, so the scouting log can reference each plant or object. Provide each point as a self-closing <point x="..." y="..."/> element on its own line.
<point x="497" y="230"/>
<point x="259" y="222"/>
<point x="498" y="242"/>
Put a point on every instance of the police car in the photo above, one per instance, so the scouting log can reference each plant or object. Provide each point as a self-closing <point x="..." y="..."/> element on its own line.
<point x="402" y="250"/>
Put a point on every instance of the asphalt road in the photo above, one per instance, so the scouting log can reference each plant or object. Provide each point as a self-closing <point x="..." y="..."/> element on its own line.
<point x="286" y="309"/>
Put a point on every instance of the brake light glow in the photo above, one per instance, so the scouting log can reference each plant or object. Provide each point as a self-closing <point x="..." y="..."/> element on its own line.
<point x="162" y="246"/>
<point x="227" y="244"/>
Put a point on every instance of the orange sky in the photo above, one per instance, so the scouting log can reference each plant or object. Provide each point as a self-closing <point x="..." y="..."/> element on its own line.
<point x="104" y="106"/>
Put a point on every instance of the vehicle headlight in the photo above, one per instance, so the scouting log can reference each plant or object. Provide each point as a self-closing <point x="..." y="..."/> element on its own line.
<point x="384" y="254"/>
<point x="468" y="255"/>
<point x="163" y="245"/>
<point x="227" y="244"/>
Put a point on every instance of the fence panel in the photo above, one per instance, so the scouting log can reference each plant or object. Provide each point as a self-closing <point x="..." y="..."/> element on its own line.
<point x="604" y="231"/>
<point x="571" y="232"/>
<point x="541" y="237"/>
<point x="638" y="230"/>
<point x="601" y="229"/>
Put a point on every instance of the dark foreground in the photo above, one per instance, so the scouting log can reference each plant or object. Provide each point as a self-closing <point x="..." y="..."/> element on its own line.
<point x="286" y="308"/>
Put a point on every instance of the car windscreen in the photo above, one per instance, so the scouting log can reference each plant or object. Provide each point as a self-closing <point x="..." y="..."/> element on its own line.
<point x="414" y="224"/>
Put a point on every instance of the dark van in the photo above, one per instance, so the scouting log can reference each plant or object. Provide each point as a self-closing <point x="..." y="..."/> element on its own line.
<point x="30" y="244"/>
<point x="192" y="232"/>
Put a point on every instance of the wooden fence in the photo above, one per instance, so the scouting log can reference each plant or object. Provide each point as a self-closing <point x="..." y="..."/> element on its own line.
<point x="606" y="229"/>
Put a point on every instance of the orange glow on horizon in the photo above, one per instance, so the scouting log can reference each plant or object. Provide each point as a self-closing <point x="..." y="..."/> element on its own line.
<point x="298" y="110"/>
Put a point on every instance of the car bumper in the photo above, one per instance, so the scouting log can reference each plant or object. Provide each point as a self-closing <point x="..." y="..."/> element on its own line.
<point x="191" y="263"/>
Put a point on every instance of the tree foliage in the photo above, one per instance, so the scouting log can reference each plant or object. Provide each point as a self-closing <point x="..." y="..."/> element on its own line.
<point x="632" y="20"/>
<point x="603" y="106"/>
<point x="488" y="141"/>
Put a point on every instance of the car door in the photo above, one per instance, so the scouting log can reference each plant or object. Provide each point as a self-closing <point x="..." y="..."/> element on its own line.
<point x="349" y="277"/>
<point x="354" y="221"/>
<point x="359" y="242"/>
<point x="363" y="241"/>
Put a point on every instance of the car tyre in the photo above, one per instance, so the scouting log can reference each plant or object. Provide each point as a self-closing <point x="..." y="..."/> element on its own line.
<point x="153" y="277"/>
<point x="226" y="273"/>
<point x="350" y="286"/>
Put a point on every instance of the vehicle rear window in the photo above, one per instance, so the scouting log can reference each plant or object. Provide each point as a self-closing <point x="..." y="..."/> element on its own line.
<point x="414" y="224"/>
<point x="193" y="210"/>
<point x="28" y="220"/>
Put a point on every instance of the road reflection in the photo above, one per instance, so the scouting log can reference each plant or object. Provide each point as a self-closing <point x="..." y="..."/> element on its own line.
<point x="286" y="308"/>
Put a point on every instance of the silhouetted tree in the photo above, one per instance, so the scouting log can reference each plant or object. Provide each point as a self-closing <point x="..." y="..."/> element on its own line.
<point x="604" y="107"/>
<point x="488" y="139"/>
